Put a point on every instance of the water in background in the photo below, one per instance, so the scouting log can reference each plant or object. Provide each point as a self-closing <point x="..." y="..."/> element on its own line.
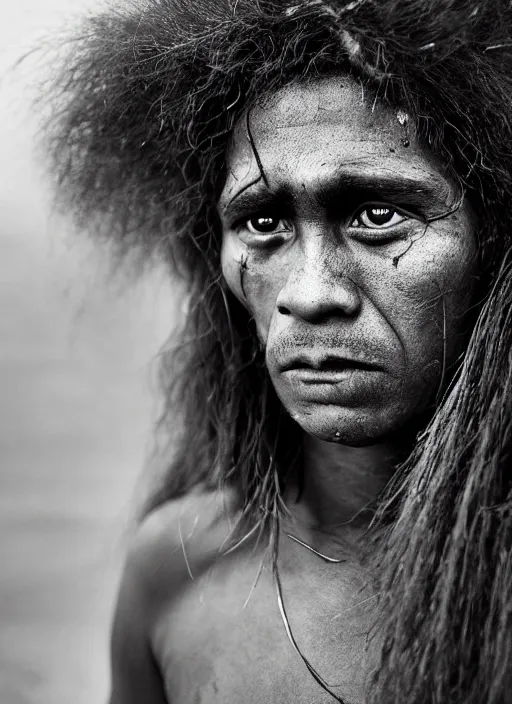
<point x="75" y="419"/>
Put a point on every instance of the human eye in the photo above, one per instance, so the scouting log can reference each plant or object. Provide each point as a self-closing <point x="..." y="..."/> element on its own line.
<point x="264" y="230"/>
<point x="266" y="225"/>
<point x="380" y="222"/>
<point x="378" y="216"/>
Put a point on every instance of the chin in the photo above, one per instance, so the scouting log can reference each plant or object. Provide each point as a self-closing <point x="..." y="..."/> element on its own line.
<point x="352" y="427"/>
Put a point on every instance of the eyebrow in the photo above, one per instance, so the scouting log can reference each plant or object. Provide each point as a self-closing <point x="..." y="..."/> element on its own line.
<point x="333" y="193"/>
<point x="262" y="198"/>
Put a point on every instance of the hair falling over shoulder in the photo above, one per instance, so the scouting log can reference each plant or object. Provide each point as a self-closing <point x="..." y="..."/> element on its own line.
<point x="145" y="105"/>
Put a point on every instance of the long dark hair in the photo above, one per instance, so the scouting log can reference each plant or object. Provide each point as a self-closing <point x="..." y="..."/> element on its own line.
<point x="146" y="105"/>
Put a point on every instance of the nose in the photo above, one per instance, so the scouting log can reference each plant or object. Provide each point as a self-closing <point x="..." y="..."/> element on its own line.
<point x="319" y="288"/>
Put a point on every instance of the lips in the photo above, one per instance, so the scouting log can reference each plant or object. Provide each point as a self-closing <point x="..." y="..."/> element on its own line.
<point x="314" y="369"/>
<point x="330" y="364"/>
<point x="342" y="378"/>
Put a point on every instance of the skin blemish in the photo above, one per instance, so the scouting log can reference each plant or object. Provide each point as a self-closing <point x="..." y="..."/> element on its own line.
<point x="403" y="119"/>
<point x="242" y="267"/>
<point x="411" y="242"/>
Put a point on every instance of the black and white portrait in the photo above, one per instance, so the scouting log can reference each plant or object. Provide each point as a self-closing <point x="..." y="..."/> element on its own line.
<point x="316" y="195"/>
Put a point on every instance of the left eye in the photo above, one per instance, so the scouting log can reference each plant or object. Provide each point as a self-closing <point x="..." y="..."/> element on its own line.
<point x="377" y="217"/>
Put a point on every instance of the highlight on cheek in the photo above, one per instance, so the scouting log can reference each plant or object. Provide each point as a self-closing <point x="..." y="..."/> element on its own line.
<point x="234" y="262"/>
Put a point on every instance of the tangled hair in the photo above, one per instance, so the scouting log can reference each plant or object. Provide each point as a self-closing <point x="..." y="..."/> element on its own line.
<point x="147" y="103"/>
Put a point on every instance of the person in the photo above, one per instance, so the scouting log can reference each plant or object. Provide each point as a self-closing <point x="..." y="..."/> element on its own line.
<point x="331" y="182"/>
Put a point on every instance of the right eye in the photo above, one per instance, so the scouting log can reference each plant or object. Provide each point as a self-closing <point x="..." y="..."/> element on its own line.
<point x="266" y="225"/>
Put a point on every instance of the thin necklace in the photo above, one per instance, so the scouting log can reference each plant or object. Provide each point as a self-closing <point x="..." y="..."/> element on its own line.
<point x="332" y="560"/>
<point x="284" y="616"/>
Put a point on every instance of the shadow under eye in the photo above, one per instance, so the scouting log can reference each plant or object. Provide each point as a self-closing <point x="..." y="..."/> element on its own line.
<point x="386" y="236"/>
<point x="383" y="241"/>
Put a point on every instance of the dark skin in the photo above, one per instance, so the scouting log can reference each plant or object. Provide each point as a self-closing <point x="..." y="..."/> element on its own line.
<point x="359" y="301"/>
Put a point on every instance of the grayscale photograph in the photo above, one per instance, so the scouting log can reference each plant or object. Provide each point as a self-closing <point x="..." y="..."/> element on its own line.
<point x="256" y="359"/>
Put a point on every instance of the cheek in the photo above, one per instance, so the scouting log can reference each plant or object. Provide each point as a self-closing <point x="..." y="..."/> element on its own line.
<point x="432" y="293"/>
<point x="255" y="281"/>
<point x="232" y="263"/>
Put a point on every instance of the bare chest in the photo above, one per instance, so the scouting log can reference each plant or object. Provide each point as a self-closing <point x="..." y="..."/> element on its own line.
<point x="230" y="641"/>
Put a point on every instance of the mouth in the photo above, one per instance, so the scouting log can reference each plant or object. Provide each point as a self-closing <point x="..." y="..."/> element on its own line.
<point x="329" y="365"/>
<point x="330" y="369"/>
<point x="332" y="364"/>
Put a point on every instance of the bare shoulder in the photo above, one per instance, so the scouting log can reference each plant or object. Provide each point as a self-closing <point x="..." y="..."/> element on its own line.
<point x="181" y="537"/>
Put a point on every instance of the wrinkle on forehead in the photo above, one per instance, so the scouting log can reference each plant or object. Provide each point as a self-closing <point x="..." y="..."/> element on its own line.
<point x="293" y="121"/>
<point x="324" y="100"/>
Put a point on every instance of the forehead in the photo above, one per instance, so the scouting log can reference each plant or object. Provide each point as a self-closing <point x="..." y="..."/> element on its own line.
<point x="328" y="103"/>
<point x="308" y="130"/>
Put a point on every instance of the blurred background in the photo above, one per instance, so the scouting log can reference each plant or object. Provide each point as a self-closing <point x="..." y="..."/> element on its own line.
<point x="76" y="408"/>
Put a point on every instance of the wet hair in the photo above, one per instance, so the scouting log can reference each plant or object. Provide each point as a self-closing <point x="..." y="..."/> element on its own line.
<point x="145" y="109"/>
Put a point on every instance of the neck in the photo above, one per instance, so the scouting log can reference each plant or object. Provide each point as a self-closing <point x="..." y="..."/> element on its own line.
<point x="340" y="484"/>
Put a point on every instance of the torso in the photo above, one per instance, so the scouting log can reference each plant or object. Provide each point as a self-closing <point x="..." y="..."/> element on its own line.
<point x="223" y="639"/>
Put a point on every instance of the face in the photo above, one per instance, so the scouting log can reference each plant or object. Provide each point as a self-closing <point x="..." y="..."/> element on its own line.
<point x="354" y="254"/>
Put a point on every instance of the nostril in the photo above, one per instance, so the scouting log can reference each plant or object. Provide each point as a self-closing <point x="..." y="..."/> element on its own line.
<point x="283" y="310"/>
